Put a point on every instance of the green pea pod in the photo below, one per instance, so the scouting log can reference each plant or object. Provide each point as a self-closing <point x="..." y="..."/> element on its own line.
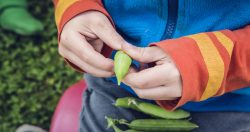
<point x="160" y="125"/>
<point x="150" y="109"/>
<point x="131" y="130"/>
<point x="112" y="123"/>
<point x="122" y="63"/>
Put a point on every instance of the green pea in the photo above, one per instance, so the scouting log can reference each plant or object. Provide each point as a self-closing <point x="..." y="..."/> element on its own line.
<point x="122" y="63"/>
<point x="150" y="109"/>
<point x="160" y="125"/>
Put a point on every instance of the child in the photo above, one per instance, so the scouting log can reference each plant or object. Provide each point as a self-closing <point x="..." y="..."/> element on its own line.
<point x="201" y="52"/>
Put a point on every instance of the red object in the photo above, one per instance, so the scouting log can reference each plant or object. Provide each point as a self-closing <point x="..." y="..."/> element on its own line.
<point x="66" y="116"/>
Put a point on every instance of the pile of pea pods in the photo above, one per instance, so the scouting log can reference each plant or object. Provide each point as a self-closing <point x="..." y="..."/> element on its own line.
<point x="161" y="121"/>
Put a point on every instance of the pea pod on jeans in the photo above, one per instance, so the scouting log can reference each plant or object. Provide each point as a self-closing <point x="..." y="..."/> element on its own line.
<point x="152" y="125"/>
<point x="150" y="109"/>
<point x="112" y="123"/>
<point x="160" y="125"/>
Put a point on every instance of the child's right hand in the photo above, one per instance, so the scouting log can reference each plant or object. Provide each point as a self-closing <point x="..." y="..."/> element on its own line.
<point x="82" y="40"/>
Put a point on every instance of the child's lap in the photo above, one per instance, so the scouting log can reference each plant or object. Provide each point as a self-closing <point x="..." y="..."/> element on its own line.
<point x="101" y="94"/>
<point x="222" y="121"/>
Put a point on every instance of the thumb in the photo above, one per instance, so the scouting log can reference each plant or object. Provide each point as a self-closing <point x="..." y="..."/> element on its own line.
<point x="109" y="36"/>
<point x="143" y="54"/>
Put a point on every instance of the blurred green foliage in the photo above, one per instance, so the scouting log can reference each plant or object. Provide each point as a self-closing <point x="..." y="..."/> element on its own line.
<point x="32" y="74"/>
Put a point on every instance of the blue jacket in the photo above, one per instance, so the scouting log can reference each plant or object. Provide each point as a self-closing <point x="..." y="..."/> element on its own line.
<point x="143" y="22"/>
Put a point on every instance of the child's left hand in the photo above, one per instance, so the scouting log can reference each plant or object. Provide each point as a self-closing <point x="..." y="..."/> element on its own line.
<point x="161" y="82"/>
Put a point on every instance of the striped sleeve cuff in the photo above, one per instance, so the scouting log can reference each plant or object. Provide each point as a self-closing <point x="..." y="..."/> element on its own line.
<point x="67" y="9"/>
<point x="203" y="61"/>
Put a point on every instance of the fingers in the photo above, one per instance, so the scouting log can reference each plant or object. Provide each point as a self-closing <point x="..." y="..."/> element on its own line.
<point x="83" y="38"/>
<point x="106" y="32"/>
<point x="97" y="45"/>
<point x="77" y="44"/>
<point x="145" y="55"/>
<point x="159" y="93"/>
<point x="83" y="65"/>
<point x="147" y="78"/>
<point x="131" y="70"/>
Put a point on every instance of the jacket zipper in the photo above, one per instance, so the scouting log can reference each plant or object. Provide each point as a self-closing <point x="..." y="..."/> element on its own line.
<point x="172" y="19"/>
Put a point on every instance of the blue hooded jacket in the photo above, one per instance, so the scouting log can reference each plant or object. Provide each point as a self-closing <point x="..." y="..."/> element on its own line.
<point x="142" y="22"/>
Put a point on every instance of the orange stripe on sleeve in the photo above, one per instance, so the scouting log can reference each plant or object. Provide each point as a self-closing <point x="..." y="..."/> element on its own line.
<point x="62" y="5"/>
<point x="225" y="41"/>
<point x="214" y="63"/>
<point x="188" y="59"/>
<point x="225" y="57"/>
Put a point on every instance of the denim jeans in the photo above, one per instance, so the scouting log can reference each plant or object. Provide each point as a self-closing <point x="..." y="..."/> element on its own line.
<point x="98" y="102"/>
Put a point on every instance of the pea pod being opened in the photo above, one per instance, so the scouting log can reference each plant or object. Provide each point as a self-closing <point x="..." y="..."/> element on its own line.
<point x="122" y="63"/>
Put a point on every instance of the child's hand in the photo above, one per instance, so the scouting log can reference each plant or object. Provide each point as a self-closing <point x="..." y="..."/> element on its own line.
<point x="82" y="40"/>
<point x="161" y="82"/>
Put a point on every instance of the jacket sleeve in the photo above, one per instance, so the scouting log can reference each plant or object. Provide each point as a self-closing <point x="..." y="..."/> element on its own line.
<point x="210" y="63"/>
<point x="65" y="10"/>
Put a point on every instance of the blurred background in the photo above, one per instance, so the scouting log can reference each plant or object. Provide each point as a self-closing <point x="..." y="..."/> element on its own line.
<point x="32" y="74"/>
